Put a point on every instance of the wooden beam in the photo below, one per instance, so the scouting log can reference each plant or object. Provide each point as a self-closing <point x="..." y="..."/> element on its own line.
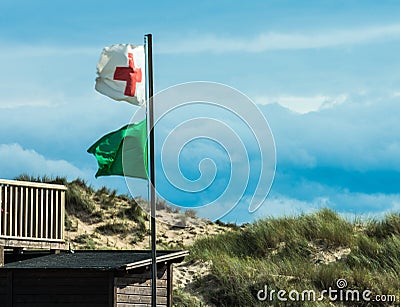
<point x="1" y="255"/>
<point x="32" y="243"/>
<point x="169" y="283"/>
<point x="32" y="184"/>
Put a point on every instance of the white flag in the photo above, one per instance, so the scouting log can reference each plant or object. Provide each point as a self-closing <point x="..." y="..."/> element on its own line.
<point x="121" y="73"/>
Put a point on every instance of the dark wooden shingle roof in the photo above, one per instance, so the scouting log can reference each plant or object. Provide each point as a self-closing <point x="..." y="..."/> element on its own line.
<point x="97" y="260"/>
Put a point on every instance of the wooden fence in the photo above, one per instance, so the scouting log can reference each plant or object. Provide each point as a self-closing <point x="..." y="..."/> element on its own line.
<point x="31" y="211"/>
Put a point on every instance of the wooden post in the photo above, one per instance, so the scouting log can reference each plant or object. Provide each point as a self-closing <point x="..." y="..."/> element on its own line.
<point x="1" y="255"/>
<point x="169" y="283"/>
<point x="55" y="251"/>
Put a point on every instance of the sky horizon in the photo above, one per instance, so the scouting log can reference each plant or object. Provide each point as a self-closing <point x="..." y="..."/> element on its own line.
<point x="323" y="73"/>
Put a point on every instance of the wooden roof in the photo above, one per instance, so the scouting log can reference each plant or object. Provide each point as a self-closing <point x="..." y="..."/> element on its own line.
<point x="96" y="260"/>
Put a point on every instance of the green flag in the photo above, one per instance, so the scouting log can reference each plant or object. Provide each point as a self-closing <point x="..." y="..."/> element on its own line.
<point x="122" y="152"/>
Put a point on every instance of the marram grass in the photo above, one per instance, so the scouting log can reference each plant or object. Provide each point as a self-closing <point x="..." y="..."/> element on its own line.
<point x="309" y="252"/>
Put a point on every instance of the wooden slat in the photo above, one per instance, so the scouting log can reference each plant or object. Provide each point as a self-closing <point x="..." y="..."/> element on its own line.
<point x="5" y="211"/>
<point x="1" y="260"/>
<point x="13" y="202"/>
<point x="161" y="274"/>
<point x="136" y="299"/>
<point x="137" y="281"/>
<point x="37" y="213"/>
<point x="32" y="243"/>
<point x="10" y="211"/>
<point x="32" y="218"/>
<point x="46" y="221"/>
<point x="62" y="214"/>
<point x="26" y="217"/>
<point x="140" y="290"/>
<point x="137" y="305"/>
<point x="50" y="219"/>
<point x="20" y="210"/>
<point x="41" y="207"/>
<point x="55" y="218"/>
<point x="169" y="284"/>
<point x="14" y="205"/>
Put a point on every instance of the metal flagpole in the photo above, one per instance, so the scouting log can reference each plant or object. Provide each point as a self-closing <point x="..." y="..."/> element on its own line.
<point x="152" y="171"/>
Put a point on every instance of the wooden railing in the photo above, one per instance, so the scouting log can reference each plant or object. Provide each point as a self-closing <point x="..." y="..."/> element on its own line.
<point x="31" y="211"/>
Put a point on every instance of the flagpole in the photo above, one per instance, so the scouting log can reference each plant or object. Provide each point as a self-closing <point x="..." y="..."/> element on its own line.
<point x="152" y="171"/>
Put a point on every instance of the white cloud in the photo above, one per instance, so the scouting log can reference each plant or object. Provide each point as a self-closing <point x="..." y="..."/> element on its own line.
<point x="279" y="206"/>
<point x="349" y="204"/>
<point x="271" y="40"/>
<point x="284" y="41"/>
<point x="368" y="205"/>
<point x="303" y="104"/>
<point x="41" y="51"/>
<point x="15" y="104"/>
<point x="15" y="160"/>
<point x="358" y="135"/>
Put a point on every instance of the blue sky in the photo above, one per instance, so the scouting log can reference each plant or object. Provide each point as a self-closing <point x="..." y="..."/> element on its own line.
<point x="325" y="74"/>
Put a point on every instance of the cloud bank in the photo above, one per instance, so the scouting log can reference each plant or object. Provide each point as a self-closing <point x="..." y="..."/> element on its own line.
<point x="17" y="160"/>
<point x="270" y="41"/>
<point x="345" y="157"/>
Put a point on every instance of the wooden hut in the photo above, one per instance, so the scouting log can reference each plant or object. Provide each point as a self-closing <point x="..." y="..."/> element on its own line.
<point x="87" y="279"/>
<point x="32" y="217"/>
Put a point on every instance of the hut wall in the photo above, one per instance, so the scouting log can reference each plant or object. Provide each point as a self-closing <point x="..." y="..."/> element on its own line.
<point x="83" y="288"/>
<point x="5" y="288"/>
<point x="57" y="288"/>
<point x="134" y="290"/>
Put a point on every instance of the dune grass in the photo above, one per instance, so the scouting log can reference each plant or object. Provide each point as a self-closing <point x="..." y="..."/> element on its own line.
<point x="308" y="252"/>
<point x="284" y="254"/>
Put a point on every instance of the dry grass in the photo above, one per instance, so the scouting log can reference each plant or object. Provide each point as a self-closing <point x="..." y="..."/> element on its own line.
<point x="285" y="253"/>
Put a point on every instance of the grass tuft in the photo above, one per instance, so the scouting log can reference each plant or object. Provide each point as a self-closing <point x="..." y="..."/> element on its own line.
<point x="77" y="203"/>
<point x="113" y="229"/>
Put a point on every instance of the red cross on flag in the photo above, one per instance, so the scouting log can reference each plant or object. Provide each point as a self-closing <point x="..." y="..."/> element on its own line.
<point x="121" y="73"/>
